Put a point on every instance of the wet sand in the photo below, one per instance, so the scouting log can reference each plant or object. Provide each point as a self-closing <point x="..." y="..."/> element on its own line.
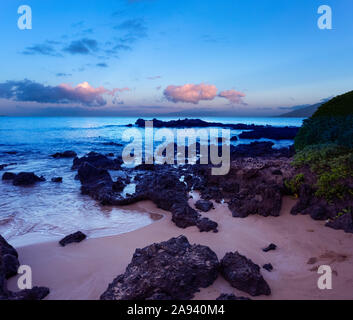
<point x="84" y="270"/>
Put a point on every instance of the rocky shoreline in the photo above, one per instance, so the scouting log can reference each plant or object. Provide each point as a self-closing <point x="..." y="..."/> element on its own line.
<point x="175" y="269"/>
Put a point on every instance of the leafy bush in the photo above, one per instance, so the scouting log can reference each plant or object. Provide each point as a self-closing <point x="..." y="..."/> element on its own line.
<point x="324" y="129"/>
<point x="332" y="164"/>
<point x="294" y="184"/>
<point x="325" y="144"/>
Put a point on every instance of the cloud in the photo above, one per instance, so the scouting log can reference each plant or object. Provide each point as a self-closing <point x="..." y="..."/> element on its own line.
<point x="46" y="49"/>
<point x="30" y="91"/>
<point x="154" y="77"/>
<point x="102" y="65"/>
<point x="133" y="29"/>
<point x="192" y="93"/>
<point x="233" y="96"/>
<point x="83" y="46"/>
<point x="62" y="74"/>
<point x="121" y="47"/>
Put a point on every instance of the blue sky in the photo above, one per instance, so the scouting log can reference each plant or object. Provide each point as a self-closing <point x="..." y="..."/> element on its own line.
<point x="136" y="57"/>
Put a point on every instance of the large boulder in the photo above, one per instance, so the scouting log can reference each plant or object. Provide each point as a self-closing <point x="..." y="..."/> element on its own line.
<point x="64" y="155"/>
<point x="184" y="216"/>
<point x="8" y="267"/>
<point x="173" y="269"/>
<point x="96" y="183"/>
<point x="8" y="176"/>
<point x="9" y="258"/>
<point x="263" y="199"/>
<point x="342" y="222"/>
<point x="244" y="275"/>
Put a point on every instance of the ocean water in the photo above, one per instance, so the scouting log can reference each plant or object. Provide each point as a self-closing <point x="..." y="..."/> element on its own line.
<point x="49" y="211"/>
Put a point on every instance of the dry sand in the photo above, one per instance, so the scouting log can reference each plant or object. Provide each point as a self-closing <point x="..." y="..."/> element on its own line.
<point x="84" y="270"/>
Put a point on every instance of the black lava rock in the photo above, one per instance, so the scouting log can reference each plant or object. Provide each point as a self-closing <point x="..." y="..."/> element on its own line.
<point x="227" y="296"/>
<point x="8" y="176"/>
<point x="75" y="237"/>
<point x="268" y="267"/>
<point x="98" y="161"/>
<point x="26" y="179"/>
<point x="9" y="258"/>
<point x="173" y="269"/>
<point x="64" y="155"/>
<point x="270" y="247"/>
<point x="343" y="222"/>
<point x="243" y="274"/>
<point x="206" y="225"/>
<point x="204" y="205"/>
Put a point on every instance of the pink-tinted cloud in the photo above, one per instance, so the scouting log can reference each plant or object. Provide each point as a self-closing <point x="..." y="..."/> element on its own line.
<point x="85" y="93"/>
<point x="192" y="93"/>
<point x="232" y="95"/>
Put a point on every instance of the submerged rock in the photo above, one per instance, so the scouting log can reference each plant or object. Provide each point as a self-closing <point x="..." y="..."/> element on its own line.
<point x="8" y="176"/>
<point x="26" y="179"/>
<point x="66" y="154"/>
<point x="173" y="269"/>
<point x="2" y="166"/>
<point x="243" y="274"/>
<point x="57" y="179"/>
<point x="75" y="237"/>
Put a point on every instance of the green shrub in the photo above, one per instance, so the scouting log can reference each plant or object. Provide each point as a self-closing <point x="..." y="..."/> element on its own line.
<point x="325" y="144"/>
<point x="324" y="129"/>
<point x="293" y="185"/>
<point x="332" y="164"/>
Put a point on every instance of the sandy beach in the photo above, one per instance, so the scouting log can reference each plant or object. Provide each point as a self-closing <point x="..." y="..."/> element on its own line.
<point x="84" y="270"/>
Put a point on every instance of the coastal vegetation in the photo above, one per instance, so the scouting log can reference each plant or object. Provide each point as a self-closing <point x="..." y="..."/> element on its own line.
<point x="324" y="144"/>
